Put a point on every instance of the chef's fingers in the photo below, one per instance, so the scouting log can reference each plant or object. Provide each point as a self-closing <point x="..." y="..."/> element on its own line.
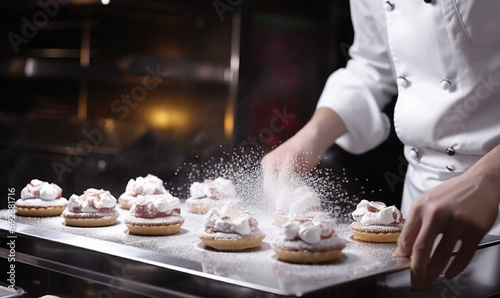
<point x="421" y="252"/>
<point x="409" y="233"/>
<point x="465" y="253"/>
<point x="442" y="254"/>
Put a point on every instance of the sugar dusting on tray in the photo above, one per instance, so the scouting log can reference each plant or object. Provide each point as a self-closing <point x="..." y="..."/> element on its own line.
<point x="357" y="259"/>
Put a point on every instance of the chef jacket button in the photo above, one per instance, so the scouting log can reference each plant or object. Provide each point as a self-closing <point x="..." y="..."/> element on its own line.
<point x="389" y="6"/>
<point x="413" y="153"/>
<point x="402" y="82"/>
<point x="445" y="84"/>
<point x="428" y="1"/>
<point x="450" y="151"/>
<point x="450" y="168"/>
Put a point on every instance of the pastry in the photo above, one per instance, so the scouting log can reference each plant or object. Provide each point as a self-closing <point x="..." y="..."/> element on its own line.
<point x="312" y="241"/>
<point x="41" y="199"/>
<point x="149" y="185"/>
<point x="94" y="208"/>
<point x="229" y="229"/>
<point x="155" y="215"/>
<point x="300" y="203"/>
<point x="210" y="193"/>
<point x="375" y="222"/>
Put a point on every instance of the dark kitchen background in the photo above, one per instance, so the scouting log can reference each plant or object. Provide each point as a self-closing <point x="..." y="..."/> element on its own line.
<point x="93" y="93"/>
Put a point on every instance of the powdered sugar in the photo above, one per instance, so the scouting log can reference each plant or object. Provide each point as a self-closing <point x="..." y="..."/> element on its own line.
<point x="357" y="259"/>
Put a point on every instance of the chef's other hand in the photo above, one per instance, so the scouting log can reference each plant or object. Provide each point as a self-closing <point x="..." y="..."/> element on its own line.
<point x="462" y="209"/>
<point x="302" y="152"/>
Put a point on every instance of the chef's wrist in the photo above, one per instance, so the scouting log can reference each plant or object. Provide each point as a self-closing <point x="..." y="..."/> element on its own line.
<point x="487" y="170"/>
<point x="325" y="127"/>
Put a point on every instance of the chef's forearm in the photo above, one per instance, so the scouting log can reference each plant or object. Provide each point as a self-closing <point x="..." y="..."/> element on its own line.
<point x="488" y="170"/>
<point x="325" y="127"/>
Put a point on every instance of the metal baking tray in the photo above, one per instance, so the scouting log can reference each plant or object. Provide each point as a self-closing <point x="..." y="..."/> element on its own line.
<point x="156" y="265"/>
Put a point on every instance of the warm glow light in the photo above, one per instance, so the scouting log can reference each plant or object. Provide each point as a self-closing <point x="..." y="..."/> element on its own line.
<point x="168" y="118"/>
<point x="228" y="124"/>
<point x="105" y="2"/>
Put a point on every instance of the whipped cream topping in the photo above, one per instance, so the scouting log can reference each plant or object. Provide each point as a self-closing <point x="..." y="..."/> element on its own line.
<point x="153" y="206"/>
<point x="229" y="219"/>
<point x="38" y="189"/>
<point x="297" y="201"/>
<point x="219" y="188"/>
<point x="322" y="226"/>
<point x="377" y="213"/>
<point x="149" y="185"/>
<point x="91" y="201"/>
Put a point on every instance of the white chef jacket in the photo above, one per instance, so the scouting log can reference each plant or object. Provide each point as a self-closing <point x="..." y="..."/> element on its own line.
<point x="442" y="58"/>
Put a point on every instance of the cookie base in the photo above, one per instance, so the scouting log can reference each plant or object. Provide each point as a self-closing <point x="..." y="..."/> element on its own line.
<point x="160" y="230"/>
<point x="198" y="209"/>
<point x="375" y="237"/>
<point x="125" y="204"/>
<point x="232" y="244"/>
<point x="40" y="211"/>
<point x="308" y="257"/>
<point x="90" y="221"/>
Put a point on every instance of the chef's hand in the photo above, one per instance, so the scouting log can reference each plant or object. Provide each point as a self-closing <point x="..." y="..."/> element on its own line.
<point x="298" y="154"/>
<point x="463" y="209"/>
<point x="302" y="152"/>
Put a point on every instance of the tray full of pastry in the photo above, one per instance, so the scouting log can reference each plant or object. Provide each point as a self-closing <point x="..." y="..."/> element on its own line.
<point x="286" y="245"/>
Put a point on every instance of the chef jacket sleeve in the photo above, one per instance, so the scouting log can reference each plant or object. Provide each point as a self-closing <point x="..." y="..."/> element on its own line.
<point x="360" y="91"/>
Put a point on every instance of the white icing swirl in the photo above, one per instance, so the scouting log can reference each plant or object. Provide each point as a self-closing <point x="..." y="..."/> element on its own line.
<point x="360" y="210"/>
<point x="38" y="189"/>
<point x="91" y="201"/>
<point x="219" y="188"/>
<point x="322" y="226"/>
<point x="229" y="219"/>
<point x="325" y="223"/>
<point x="386" y="216"/>
<point x="148" y="185"/>
<point x="162" y="202"/>
<point x="377" y="213"/>
<point x="291" y="230"/>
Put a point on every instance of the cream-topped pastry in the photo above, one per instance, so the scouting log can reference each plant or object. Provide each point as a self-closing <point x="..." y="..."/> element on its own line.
<point x="140" y="186"/>
<point x="40" y="198"/>
<point x="230" y="229"/>
<point x="311" y="241"/>
<point x="95" y="207"/>
<point x="299" y="203"/>
<point x="376" y="222"/>
<point x="210" y="193"/>
<point x="155" y="215"/>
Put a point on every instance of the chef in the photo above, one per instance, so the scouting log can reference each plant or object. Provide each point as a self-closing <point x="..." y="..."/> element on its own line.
<point x="442" y="59"/>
